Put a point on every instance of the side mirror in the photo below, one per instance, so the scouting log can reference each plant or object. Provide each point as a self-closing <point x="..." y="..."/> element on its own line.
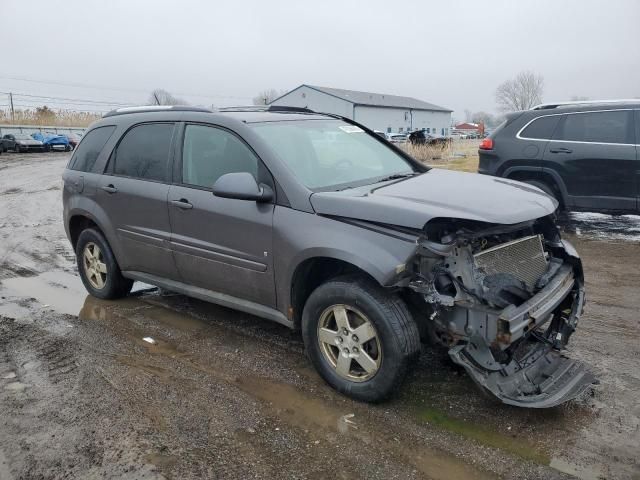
<point x="242" y="186"/>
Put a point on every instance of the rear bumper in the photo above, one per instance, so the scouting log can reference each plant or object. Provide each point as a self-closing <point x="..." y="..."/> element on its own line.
<point x="537" y="374"/>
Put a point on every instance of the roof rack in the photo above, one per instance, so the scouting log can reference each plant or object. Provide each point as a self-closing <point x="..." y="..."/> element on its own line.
<point x="546" y="106"/>
<point x="155" y="108"/>
<point x="265" y="108"/>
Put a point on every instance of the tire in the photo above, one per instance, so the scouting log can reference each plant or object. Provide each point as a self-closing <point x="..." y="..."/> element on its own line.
<point x="111" y="284"/>
<point x="546" y="188"/>
<point x="16" y="148"/>
<point x="395" y="345"/>
<point x="47" y="148"/>
<point x="67" y="148"/>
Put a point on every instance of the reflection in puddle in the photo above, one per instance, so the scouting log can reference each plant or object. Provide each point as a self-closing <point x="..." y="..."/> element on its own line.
<point x="602" y="226"/>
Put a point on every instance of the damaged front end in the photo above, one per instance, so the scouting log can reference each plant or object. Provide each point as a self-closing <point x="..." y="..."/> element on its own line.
<point x="505" y="299"/>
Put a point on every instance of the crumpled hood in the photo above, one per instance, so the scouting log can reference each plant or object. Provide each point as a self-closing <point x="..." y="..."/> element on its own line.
<point x="438" y="193"/>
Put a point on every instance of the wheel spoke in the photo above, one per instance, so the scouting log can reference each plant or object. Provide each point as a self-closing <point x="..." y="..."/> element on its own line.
<point x="327" y="336"/>
<point x="87" y="255"/>
<point x="365" y="332"/>
<point x="343" y="364"/>
<point x="340" y="314"/>
<point x="366" y="362"/>
<point x="99" y="280"/>
<point x="101" y="267"/>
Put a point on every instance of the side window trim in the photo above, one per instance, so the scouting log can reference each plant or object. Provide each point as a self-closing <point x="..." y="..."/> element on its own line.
<point x="560" y="123"/>
<point x="109" y="166"/>
<point x="179" y="151"/>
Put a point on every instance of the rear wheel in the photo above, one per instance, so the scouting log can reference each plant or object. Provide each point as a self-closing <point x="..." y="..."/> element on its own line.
<point x="16" y="148"/>
<point x="546" y="188"/>
<point x="98" y="268"/>
<point x="359" y="337"/>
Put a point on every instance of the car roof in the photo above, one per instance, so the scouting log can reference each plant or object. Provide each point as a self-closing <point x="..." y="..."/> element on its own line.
<point x="585" y="106"/>
<point x="244" y="114"/>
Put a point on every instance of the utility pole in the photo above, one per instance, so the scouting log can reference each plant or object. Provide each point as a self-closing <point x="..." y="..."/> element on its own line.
<point x="12" y="112"/>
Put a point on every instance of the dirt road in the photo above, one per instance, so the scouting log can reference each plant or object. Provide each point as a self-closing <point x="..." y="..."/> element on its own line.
<point x="222" y="394"/>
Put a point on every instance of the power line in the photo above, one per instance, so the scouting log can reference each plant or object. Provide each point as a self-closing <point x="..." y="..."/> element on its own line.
<point x="83" y="100"/>
<point x="104" y="87"/>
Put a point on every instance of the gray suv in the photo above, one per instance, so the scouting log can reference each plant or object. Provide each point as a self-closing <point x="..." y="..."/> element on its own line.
<point x="314" y="221"/>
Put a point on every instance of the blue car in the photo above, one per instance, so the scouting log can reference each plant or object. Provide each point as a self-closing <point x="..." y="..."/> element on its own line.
<point x="53" y="141"/>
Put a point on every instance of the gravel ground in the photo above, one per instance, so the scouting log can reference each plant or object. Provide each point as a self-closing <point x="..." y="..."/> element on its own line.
<point x="226" y="395"/>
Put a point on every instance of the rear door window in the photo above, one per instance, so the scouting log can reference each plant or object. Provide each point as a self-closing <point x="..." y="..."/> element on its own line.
<point x="143" y="152"/>
<point x="541" y="128"/>
<point x="90" y="147"/>
<point x="597" y="127"/>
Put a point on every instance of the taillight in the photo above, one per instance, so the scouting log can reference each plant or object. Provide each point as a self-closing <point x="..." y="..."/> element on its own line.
<point x="486" y="144"/>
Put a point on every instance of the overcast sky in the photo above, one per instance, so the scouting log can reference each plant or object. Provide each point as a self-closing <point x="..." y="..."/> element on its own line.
<point x="451" y="53"/>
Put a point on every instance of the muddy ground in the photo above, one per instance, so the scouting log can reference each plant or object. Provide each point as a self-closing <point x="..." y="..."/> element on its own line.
<point x="226" y="395"/>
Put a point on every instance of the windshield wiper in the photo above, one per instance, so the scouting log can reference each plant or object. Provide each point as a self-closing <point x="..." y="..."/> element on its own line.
<point x="397" y="176"/>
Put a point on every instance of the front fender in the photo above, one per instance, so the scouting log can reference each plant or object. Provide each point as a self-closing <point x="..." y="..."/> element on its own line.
<point x="299" y="236"/>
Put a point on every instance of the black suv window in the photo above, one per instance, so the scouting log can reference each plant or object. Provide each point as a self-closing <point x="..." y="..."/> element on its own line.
<point x="144" y="152"/>
<point x="541" y="128"/>
<point x="596" y="127"/>
<point x="209" y="152"/>
<point x="90" y="147"/>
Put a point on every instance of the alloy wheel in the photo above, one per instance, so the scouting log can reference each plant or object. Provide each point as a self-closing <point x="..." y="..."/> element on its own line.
<point x="349" y="343"/>
<point x="94" y="267"/>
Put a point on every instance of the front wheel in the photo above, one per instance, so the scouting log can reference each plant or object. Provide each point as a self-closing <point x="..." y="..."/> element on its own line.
<point x="98" y="268"/>
<point x="359" y="337"/>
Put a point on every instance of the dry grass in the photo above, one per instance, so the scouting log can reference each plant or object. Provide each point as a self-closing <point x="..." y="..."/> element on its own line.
<point x="459" y="155"/>
<point x="61" y="118"/>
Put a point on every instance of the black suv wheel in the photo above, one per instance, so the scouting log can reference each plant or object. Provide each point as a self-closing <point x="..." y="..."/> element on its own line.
<point x="360" y="337"/>
<point x="98" y="268"/>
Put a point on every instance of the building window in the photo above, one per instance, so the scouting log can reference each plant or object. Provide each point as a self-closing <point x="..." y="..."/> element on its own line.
<point x="400" y="130"/>
<point x="428" y="130"/>
<point x="388" y="129"/>
<point x="442" y="132"/>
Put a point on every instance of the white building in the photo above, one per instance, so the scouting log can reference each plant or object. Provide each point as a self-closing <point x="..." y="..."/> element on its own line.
<point x="387" y="113"/>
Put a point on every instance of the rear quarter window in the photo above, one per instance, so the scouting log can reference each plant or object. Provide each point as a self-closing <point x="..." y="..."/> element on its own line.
<point x="541" y="128"/>
<point x="89" y="149"/>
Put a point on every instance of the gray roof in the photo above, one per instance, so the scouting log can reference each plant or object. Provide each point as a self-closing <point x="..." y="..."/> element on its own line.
<point x="379" y="99"/>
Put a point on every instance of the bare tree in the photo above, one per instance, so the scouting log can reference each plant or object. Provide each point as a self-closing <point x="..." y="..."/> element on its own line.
<point x="265" y="97"/>
<point x="520" y="93"/>
<point x="161" y="97"/>
<point x="484" y="118"/>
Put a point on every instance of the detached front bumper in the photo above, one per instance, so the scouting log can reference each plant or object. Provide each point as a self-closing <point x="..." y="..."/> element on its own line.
<point x="537" y="374"/>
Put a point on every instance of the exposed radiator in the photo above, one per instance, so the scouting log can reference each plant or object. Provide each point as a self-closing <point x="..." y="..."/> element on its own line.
<point x="524" y="258"/>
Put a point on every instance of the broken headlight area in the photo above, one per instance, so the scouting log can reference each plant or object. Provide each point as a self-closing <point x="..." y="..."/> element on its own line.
<point x="505" y="300"/>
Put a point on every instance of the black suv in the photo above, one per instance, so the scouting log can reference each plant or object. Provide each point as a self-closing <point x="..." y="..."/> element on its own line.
<point x="585" y="154"/>
<point x="314" y="221"/>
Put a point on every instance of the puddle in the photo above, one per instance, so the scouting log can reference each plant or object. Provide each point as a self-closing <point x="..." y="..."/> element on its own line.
<point x="302" y="410"/>
<point x="485" y="436"/>
<point x="56" y="290"/>
<point x="290" y="405"/>
<point x="602" y="226"/>
<point x="15" y="386"/>
<point x="581" y="472"/>
<point x="59" y="291"/>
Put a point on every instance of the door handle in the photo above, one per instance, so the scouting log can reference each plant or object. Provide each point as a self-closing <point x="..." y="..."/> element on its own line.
<point x="560" y="150"/>
<point x="183" y="203"/>
<point x="110" y="188"/>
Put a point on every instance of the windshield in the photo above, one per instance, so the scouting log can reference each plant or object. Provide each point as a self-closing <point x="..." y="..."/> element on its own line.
<point x="325" y="154"/>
